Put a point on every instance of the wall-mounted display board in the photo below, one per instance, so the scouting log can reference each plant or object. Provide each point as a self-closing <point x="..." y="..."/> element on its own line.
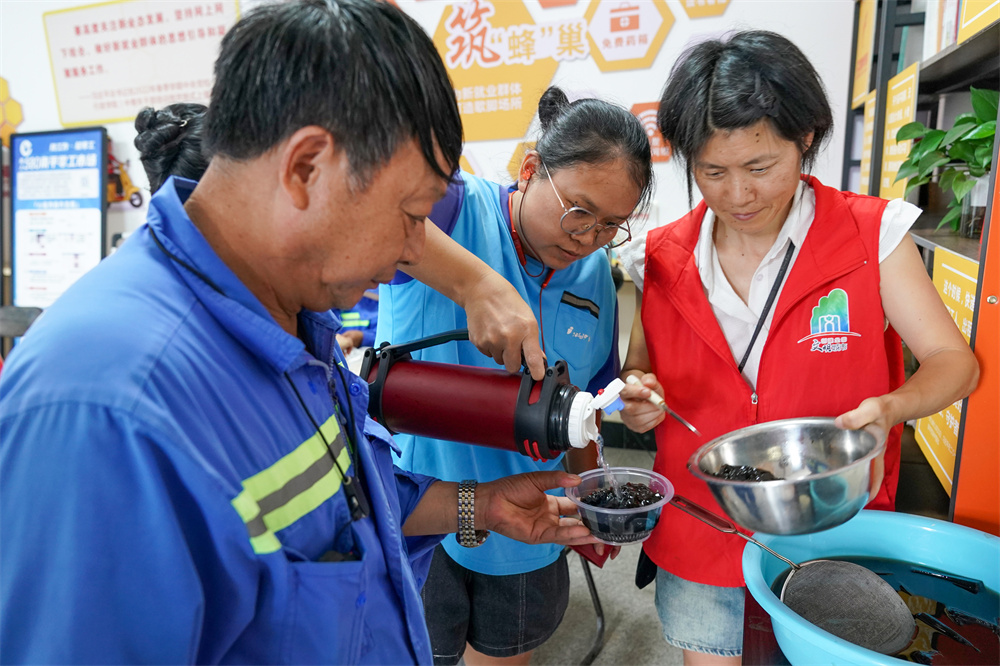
<point x="867" y="141"/>
<point x="955" y="278"/>
<point x="863" y="53"/>
<point x="901" y="105"/>
<point x="976" y="15"/>
<point x="58" y="202"/>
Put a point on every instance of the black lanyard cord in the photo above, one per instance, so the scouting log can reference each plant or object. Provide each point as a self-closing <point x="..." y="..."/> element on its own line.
<point x="355" y="495"/>
<point x="201" y="276"/>
<point x="770" y="301"/>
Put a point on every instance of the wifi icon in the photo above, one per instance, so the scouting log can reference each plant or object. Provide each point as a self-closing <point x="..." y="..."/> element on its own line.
<point x="648" y="120"/>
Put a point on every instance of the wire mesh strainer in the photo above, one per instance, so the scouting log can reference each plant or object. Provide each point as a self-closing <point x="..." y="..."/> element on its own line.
<point x="842" y="598"/>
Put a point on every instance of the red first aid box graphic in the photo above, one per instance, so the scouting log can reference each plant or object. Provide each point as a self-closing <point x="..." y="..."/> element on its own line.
<point x="624" y="17"/>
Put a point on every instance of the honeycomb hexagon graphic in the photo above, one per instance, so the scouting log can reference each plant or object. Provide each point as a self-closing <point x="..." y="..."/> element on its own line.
<point x="11" y="114"/>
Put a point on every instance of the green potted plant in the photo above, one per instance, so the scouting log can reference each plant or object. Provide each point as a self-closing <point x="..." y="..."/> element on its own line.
<point x="964" y="153"/>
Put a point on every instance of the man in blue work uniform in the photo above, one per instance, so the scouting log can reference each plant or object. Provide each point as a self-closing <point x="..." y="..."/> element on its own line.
<point x="188" y="471"/>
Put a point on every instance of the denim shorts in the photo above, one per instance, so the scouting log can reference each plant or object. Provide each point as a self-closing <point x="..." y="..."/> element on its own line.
<point x="499" y="616"/>
<point x="700" y="618"/>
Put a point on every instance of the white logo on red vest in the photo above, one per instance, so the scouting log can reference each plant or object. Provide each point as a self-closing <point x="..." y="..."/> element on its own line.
<point x="830" y="324"/>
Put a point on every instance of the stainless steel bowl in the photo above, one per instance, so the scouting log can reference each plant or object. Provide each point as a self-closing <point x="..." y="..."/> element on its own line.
<point x="825" y="475"/>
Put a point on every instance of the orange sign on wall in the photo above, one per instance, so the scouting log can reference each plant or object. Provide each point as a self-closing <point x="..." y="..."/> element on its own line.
<point x="501" y="62"/>
<point x="658" y="146"/>
<point x="900" y="107"/>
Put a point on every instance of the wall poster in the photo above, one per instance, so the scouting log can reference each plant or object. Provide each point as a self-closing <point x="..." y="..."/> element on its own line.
<point x="867" y="143"/>
<point x="863" y="53"/>
<point x="955" y="278"/>
<point x="58" y="183"/>
<point x="901" y="106"/>
<point x="110" y="60"/>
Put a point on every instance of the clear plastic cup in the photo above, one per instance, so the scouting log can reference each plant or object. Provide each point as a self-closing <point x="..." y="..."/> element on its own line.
<point x="620" y="526"/>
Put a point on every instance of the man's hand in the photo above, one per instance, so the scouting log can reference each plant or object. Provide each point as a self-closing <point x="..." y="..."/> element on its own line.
<point x="503" y="326"/>
<point x="517" y="507"/>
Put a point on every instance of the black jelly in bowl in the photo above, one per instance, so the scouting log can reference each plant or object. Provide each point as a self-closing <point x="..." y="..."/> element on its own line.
<point x="620" y="526"/>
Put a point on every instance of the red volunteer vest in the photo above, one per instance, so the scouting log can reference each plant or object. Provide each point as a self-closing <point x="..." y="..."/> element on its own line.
<point x="829" y="347"/>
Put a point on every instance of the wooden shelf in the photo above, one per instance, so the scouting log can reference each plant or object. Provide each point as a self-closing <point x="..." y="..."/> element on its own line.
<point x="925" y="235"/>
<point x="974" y="62"/>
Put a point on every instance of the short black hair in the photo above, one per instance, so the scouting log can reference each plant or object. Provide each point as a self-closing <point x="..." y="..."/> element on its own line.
<point x="592" y="131"/>
<point x="169" y="141"/>
<point x="362" y="70"/>
<point x="734" y="82"/>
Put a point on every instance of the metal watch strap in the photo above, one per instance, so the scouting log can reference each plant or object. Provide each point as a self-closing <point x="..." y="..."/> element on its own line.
<point x="467" y="534"/>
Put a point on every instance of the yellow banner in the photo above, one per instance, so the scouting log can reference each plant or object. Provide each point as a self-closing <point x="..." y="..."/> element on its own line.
<point x="955" y="278"/>
<point x="901" y="104"/>
<point x="867" y="139"/>
<point x="863" y="53"/>
<point x="976" y="15"/>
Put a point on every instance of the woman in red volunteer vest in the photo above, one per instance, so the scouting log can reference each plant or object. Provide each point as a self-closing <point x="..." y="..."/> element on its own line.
<point x="747" y="115"/>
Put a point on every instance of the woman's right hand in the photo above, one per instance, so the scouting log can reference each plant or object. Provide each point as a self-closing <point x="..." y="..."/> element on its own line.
<point x="639" y="414"/>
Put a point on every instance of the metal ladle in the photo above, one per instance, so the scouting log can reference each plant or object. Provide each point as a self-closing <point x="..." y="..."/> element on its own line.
<point x="843" y="598"/>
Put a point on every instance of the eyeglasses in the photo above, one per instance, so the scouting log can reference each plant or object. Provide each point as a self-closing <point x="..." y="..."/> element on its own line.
<point x="577" y="221"/>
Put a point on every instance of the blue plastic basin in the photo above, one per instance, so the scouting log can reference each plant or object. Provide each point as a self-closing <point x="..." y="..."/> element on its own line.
<point x="937" y="544"/>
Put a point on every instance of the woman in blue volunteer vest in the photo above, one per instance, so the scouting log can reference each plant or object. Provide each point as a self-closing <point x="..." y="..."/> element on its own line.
<point x="746" y="115"/>
<point x="587" y="174"/>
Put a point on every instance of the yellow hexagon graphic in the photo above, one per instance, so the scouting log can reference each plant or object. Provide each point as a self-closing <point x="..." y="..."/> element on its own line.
<point x="12" y="112"/>
<point x="626" y="35"/>
<point x="497" y="99"/>
<point x="514" y="166"/>
<point x="704" y="8"/>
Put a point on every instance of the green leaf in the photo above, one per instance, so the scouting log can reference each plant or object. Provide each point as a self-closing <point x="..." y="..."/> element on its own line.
<point x="946" y="178"/>
<point x="985" y="103"/>
<point x="930" y="161"/>
<point x="984" y="155"/>
<point x="906" y="170"/>
<point x="963" y="117"/>
<point x="976" y="171"/>
<point x="915" y="183"/>
<point x="952" y="217"/>
<point x="960" y="128"/>
<point x="984" y="131"/>
<point x="962" y="187"/>
<point x="962" y="151"/>
<point x="930" y="142"/>
<point x="913" y="130"/>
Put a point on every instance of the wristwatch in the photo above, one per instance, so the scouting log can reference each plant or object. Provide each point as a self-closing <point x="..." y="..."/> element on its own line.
<point x="467" y="534"/>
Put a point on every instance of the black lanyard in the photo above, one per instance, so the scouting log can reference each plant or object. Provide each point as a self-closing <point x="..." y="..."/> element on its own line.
<point x="770" y="301"/>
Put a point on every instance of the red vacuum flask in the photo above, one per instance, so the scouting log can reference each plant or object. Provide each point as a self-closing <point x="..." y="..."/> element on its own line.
<point x="477" y="405"/>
